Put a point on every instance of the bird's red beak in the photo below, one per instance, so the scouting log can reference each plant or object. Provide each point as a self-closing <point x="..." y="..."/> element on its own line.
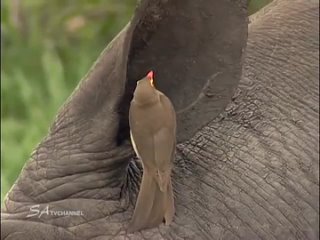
<point x="150" y="77"/>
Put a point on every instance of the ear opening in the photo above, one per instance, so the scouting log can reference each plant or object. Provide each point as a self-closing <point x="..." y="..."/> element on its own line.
<point x="196" y="50"/>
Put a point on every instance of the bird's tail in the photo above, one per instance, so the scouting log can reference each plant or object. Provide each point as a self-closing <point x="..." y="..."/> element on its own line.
<point x="153" y="205"/>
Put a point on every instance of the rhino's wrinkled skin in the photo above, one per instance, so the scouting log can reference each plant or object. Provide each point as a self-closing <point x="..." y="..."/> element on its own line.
<point x="246" y="166"/>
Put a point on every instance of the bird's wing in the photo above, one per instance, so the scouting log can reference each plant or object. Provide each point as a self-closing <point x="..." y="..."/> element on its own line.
<point x="143" y="143"/>
<point x="170" y="109"/>
<point x="165" y="142"/>
<point x="164" y="148"/>
<point x="165" y="138"/>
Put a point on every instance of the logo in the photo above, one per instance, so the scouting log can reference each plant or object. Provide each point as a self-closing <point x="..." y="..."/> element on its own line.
<point x="36" y="211"/>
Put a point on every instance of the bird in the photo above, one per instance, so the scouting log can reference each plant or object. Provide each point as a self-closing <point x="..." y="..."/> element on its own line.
<point x="152" y="121"/>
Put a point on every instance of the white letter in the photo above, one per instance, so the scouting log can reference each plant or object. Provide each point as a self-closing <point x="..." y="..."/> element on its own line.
<point x="35" y="209"/>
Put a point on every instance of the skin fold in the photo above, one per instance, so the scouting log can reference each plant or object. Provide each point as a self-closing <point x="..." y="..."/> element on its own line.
<point x="247" y="156"/>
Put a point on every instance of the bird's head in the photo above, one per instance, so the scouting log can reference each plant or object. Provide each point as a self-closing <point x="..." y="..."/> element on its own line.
<point x="145" y="92"/>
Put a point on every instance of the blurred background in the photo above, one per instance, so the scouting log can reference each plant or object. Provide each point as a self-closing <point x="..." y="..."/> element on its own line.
<point x="46" y="48"/>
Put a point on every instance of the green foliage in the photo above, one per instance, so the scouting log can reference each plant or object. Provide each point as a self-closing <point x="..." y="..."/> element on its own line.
<point x="47" y="47"/>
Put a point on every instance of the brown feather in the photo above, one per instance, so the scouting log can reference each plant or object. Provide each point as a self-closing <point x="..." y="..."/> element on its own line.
<point x="153" y="134"/>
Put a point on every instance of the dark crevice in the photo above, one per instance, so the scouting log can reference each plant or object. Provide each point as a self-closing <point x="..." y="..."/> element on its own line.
<point x="150" y="13"/>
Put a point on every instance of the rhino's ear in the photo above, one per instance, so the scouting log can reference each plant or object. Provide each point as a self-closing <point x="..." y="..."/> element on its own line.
<point x="196" y="50"/>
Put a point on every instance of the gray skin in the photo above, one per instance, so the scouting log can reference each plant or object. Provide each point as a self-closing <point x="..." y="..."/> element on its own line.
<point x="246" y="170"/>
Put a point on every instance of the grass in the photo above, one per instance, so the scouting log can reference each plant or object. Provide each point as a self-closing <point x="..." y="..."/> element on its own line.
<point x="47" y="47"/>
